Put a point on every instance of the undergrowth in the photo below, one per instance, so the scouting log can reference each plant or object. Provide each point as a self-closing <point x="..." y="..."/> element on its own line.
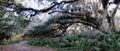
<point x="99" y="42"/>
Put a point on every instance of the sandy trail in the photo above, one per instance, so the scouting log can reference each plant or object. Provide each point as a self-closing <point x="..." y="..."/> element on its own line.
<point x="22" y="46"/>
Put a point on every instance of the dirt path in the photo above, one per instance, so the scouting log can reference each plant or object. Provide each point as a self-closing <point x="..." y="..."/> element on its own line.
<point x="22" y="46"/>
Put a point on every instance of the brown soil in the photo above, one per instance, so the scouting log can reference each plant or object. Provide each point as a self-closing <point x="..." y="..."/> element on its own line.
<point x="22" y="46"/>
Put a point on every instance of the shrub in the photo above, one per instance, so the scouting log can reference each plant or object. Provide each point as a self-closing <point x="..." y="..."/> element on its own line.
<point x="100" y="42"/>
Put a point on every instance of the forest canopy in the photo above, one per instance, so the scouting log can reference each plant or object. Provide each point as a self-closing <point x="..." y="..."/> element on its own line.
<point x="55" y="16"/>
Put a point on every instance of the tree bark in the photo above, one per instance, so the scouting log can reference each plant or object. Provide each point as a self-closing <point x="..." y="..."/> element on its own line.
<point x="111" y="22"/>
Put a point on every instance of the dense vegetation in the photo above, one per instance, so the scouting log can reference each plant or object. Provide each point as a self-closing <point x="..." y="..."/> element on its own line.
<point x="17" y="23"/>
<point x="99" y="42"/>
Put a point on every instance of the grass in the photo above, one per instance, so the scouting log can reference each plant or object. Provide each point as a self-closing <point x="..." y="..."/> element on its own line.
<point x="12" y="40"/>
<point x="9" y="42"/>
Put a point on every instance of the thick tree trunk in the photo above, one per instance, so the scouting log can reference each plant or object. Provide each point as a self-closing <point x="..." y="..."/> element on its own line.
<point x="111" y="22"/>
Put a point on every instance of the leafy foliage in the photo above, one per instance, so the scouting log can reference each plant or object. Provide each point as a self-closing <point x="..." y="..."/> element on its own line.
<point x="10" y="25"/>
<point x="6" y="24"/>
<point x="98" y="42"/>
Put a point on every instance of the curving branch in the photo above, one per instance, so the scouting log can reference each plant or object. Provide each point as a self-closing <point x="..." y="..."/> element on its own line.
<point x="43" y="10"/>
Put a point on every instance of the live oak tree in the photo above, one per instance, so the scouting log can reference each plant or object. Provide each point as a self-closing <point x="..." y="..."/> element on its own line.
<point x="73" y="11"/>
